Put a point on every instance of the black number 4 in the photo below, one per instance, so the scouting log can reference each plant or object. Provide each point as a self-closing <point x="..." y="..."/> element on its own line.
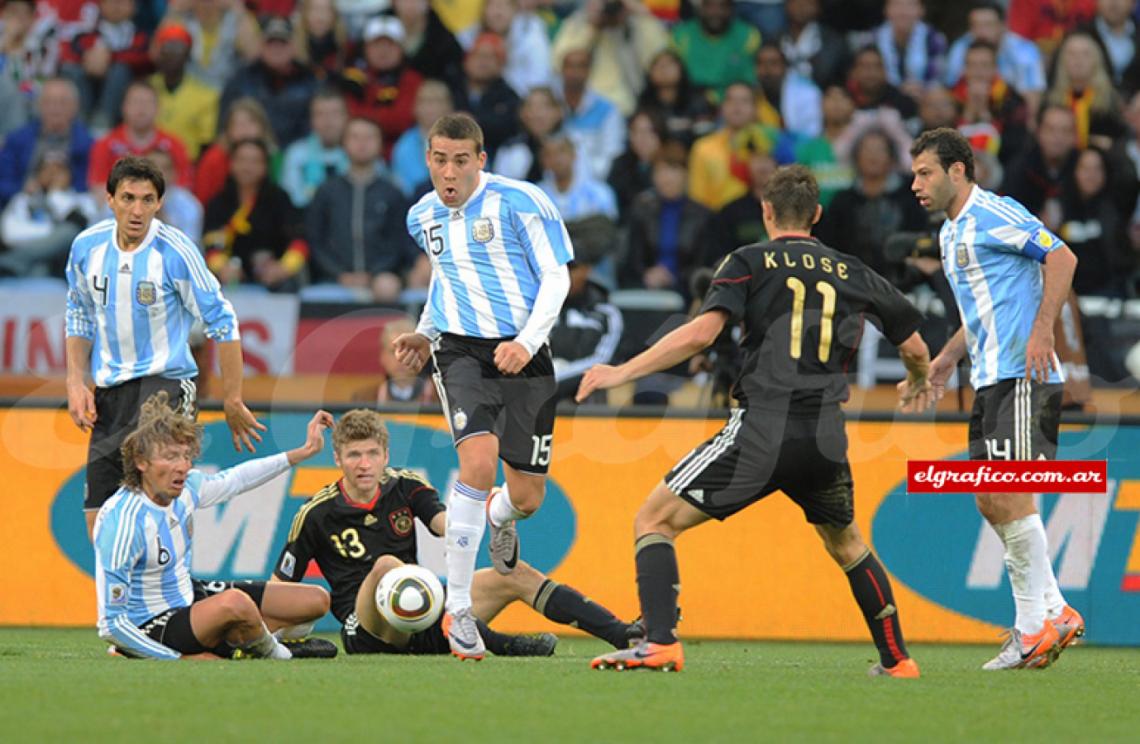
<point x="101" y="288"/>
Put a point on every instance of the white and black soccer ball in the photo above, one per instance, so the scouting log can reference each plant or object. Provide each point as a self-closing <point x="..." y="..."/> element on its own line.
<point x="409" y="598"/>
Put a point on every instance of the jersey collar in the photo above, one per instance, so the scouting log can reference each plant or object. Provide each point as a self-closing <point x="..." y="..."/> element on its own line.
<point x="367" y="506"/>
<point x="151" y="232"/>
<point x="973" y="197"/>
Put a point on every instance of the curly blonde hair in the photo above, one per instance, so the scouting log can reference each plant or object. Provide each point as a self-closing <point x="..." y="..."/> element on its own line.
<point x="159" y="424"/>
<point x="358" y="424"/>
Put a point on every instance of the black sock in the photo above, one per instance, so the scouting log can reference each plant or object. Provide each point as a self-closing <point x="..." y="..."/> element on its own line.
<point x="495" y="641"/>
<point x="872" y="590"/>
<point x="564" y="604"/>
<point x="658" y="584"/>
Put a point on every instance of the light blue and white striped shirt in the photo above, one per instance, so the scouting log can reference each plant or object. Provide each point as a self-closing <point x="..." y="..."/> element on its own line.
<point x="143" y="551"/>
<point x="488" y="256"/>
<point x="137" y="307"/>
<point x="992" y="255"/>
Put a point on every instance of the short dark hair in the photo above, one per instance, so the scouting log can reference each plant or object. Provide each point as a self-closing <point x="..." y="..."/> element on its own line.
<point x="135" y="168"/>
<point x="950" y="147"/>
<point x="1047" y="106"/>
<point x="457" y="127"/>
<point x="979" y="44"/>
<point x="794" y="195"/>
<point x="989" y="5"/>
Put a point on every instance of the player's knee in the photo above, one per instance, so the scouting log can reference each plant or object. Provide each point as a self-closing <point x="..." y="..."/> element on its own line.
<point x="320" y="602"/>
<point x="529" y="498"/>
<point x="384" y="564"/>
<point x="652" y="519"/>
<point x="237" y="606"/>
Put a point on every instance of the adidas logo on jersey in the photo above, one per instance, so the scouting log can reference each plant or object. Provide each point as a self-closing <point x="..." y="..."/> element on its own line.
<point x="698" y="495"/>
<point x="370" y="520"/>
<point x="125" y="269"/>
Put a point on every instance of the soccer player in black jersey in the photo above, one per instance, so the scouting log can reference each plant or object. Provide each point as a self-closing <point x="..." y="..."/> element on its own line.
<point x="362" y="526"/>
<point x="802" y="305"/>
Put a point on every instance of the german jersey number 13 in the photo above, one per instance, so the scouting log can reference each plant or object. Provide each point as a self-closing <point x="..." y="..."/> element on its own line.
<point x="799" y="295"/>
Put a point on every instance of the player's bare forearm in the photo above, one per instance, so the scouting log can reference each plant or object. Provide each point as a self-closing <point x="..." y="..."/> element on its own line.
<point x="230" y="362"/>
<point x="1060" y="265"/>
<point x="954" y="349"/>
<point x="78" y="359"/>
<point x="314" y="438"/>
<point x="915" y="357"/>
<point x="676" y="346"/>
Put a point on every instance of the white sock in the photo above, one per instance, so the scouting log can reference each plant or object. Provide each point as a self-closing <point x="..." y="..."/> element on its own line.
<point x="1025" y="559"/>
<point x="502" y="510"/>
<point x="266" y="646"/>
<point x="1054" y="600"/>
<point x="466" y="521"/>
<point x="294" y="632"/>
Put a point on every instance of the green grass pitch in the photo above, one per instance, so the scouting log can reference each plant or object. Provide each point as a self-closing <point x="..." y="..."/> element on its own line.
<point x="59" y="686"/>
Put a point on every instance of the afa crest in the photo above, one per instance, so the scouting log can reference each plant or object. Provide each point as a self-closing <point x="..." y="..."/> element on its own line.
<point x="482" y="230"/>
<point x="401" y="521"/>
<point x="146" y="293"/>
<point x="963" y="256"/>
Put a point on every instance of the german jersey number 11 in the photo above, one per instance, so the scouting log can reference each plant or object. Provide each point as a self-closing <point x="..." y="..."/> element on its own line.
<point x="799" y="296"/>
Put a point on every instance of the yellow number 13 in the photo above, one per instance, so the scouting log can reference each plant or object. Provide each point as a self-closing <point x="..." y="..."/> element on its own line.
<point x="799" y="294"/>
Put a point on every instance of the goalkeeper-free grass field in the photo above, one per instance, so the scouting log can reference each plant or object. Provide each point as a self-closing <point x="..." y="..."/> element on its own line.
<point x="59" y="686"/>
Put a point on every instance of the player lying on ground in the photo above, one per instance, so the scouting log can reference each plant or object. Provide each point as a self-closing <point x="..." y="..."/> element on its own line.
<point x="149" y="606"/>
<point x="802" y="305"/>
<point x="360" y="527"/>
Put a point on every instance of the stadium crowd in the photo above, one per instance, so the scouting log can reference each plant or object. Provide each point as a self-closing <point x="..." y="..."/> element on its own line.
<point x="292" y="133"/>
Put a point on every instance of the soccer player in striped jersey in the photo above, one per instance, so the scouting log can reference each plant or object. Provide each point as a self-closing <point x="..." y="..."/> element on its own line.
<point x="135" y="288"/>
<point x="498" y="251"/>
<point x="1010" y="276"/>
<point x="148" y="606"/>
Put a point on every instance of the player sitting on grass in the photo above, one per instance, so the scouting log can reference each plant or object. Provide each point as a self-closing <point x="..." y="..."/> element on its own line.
<point x="360" y="527"/>
<point x="149" y="607"/>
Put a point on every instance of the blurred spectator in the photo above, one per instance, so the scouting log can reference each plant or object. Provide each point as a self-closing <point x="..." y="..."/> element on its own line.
<point x="1045" y="22"/>
<point x="398" y="384"/>
<point x="717" y="174"/>
<point x="57" y="128"/>
<point x="103" y="60"/>
<point x="669" y="92"/>
<point x="244" y="119"/>
<point x="784" y="100"/>
<point x="29" y="47"/>
<point x="938" y="107"/>
<point x="187" y="107"/>
<point x="521" y="157"/>
<point x="1095" y="229"/>
<point x="879" y="204"/>
<point x="384" y="87"/>
<point x="1019" y="60"/>
<point x="40" y="222"/>
<point x="226" y="37"/>
<point x="278" y="81"/>
<point x="310" y="161"/>
<point x="986" y="99"/>
<point x="253" y="232"/>
<point x="1119" y="38"/>
<point x="595" y="123"/>
<point x="623" y="37"/>
<point x="576" y="194"/>
<point x="527" y="43"/>
<point x="814" y="50"/>
<point x="14" y="113"/>
<point x="409" y="167"/>
<point x="429" y="47"/>
<point x="1035" y="178"/>
<point x="483" y="93"/>
<point x="320" y="39"/>
<point x="137" y="135"/>
<point x="1083" y="82"/>
<point x="869" y="88"/>
<point x="988" y="170"/>
<point x="356" y="225"/>
<point x="741" y="222"/>
<point x="717" y="48"/>
<point x="766" y="15"/>
<point x="632" y="170"/>
<point x="588" y="329"/>
<point x="1128" y="149"/>
<point x="180" y="207"/>
<point x="667" y="229"/>
<point x="914" y="53"/>
<point x="821" y="154"/>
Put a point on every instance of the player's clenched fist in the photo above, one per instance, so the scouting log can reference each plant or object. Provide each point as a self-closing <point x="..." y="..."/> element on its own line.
<point x="511" y="357"/>
<point x="412" y="350"/>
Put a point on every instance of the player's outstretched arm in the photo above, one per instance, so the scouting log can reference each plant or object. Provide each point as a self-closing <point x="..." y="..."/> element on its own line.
<point x="674" y="348"/>
<point x="314" y="438"/>
<point x="916" y="394"/>
<point x="243" y="426"/>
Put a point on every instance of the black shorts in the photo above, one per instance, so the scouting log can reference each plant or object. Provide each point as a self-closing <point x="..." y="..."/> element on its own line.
<point x="172" y="628"/>
<point x="758" y="452"/>
<point x="117" y="410"/>
<point x="477" y="398"/>
<point x="1015" y="420"/>
<point x="357" y="640"/>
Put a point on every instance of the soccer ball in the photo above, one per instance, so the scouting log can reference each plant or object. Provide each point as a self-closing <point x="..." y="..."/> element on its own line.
<point x="409" y="598"/>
